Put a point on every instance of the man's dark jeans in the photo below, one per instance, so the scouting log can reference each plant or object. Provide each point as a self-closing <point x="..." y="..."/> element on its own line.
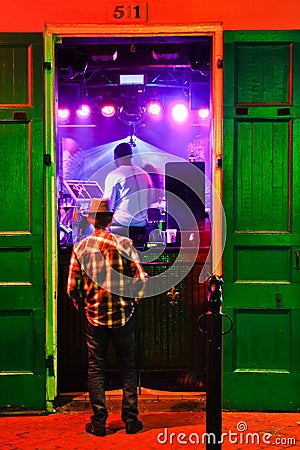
<point x="124" y="343"/>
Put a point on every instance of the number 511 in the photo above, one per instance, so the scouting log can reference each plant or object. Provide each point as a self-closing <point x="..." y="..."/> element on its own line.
<point x="128" y="11"/>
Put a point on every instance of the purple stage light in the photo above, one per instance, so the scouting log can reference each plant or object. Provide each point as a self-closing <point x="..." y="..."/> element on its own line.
<point x="108" y="110"/>
<point x="154" y="109"/>
<point x="203" y="113"/>
<point x="63" y="114"/>
<point x="180" y="113"/>
<point x="83" y="112"/>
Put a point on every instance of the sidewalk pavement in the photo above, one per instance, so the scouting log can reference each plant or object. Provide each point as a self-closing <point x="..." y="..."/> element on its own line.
<point x="65" y="429"/>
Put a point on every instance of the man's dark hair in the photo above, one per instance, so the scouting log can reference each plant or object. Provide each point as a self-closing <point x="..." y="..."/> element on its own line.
<point x="123" y="149"/>
<point x="101" y="220"/>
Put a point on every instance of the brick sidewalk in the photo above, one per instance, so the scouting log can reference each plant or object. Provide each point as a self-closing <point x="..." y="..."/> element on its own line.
<point x="161" y="430"/>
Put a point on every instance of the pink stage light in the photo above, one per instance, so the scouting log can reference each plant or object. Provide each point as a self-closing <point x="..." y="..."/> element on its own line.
<point x="154" y="109"/>
<point x="63" y="114"/>
<point x="83" y="112"/>
<point x="180" y="113"/>
<point x="203" y="113"/>
<point x="108" y="110"/>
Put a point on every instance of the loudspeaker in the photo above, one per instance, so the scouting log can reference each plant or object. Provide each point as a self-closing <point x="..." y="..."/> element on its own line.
<point x="199" y="57"/>
<point x="185" y="181"/>
<point x="69" y="95"/>
<point x="199" y="95"/>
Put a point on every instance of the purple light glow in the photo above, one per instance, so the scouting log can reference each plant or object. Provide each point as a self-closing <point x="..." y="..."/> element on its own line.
<point x="154" y="109"/>
<point x="108" y="111"/>
<point x="203" y="113"/>
<point x="180" y="113"/>
<point x="83" y="112"/>
<point x="63" y="114"/>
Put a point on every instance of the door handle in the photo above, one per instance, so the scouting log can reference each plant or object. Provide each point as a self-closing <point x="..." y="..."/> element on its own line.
<point x="297" y="254"/>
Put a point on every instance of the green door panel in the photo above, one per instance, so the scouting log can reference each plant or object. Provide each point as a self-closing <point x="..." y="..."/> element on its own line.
<point x="268" y="80"/>
<point x="262" y="175"/>
<point x="261" y="196"/>
<point x="22" y="304"/>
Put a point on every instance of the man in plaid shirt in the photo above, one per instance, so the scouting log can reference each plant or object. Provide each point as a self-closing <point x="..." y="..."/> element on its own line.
<point x="107" y="279"/>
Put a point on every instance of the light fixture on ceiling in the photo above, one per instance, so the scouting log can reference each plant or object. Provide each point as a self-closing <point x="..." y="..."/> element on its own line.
<point x="179" y="112"/>
<point x="154" y="108"/>
<point x="203" y="113"/>
<point x="83" y="111"/>
<point x="63" y="113"/>
<point x="131" y="113"/>
<point x="108" y="110"/>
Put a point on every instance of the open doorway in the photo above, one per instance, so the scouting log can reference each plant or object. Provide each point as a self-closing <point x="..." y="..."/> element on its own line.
<point x="155" y="93"/>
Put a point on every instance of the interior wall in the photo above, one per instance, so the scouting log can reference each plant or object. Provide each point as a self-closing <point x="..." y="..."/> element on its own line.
<point x="32" y="15"/>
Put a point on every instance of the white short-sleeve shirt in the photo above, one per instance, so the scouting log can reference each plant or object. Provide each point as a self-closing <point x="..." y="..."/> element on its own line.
<point x="129" y="190"/>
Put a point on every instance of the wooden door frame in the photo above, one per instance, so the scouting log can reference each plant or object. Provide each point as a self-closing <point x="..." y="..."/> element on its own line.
<point x="52" y="35"/>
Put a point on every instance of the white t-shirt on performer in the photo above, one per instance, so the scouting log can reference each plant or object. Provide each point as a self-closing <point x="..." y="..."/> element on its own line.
<point x="129" y="190"/>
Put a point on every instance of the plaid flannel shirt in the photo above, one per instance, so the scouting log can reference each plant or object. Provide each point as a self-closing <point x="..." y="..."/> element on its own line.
<point x="106" y="277"/>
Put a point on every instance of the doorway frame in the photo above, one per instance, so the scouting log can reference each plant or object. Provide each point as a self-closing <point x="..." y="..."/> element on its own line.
<point x="53" y="34"/>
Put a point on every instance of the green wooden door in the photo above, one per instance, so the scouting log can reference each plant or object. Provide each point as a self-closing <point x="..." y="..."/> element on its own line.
<point x="22" y="308"/>
<point x="261" y="195"/>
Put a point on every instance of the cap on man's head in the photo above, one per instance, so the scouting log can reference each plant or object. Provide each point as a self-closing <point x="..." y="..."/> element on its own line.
<point x="123" y="149"/>
<point x="99" y="205"/>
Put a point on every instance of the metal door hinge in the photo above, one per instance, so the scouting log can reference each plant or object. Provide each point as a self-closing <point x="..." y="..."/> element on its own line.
<point x="297" y="254"/>
<point x="220" y="64"/>
<point x="47" y="159"/>
<point x="47" y="65"/>
<point x="50" y="365"/>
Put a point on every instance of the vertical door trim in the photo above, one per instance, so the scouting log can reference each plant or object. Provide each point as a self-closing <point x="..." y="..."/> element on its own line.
<point x="51" y="271"/>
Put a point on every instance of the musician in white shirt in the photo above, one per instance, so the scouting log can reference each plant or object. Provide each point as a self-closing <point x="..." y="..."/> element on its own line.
<point x="129" y="190"/>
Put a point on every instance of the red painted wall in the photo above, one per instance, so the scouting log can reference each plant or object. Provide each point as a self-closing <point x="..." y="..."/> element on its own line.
<point x="32" y="15"/>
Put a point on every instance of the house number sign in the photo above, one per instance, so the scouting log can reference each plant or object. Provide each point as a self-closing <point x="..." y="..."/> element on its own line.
<point x="122" y="12"/>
